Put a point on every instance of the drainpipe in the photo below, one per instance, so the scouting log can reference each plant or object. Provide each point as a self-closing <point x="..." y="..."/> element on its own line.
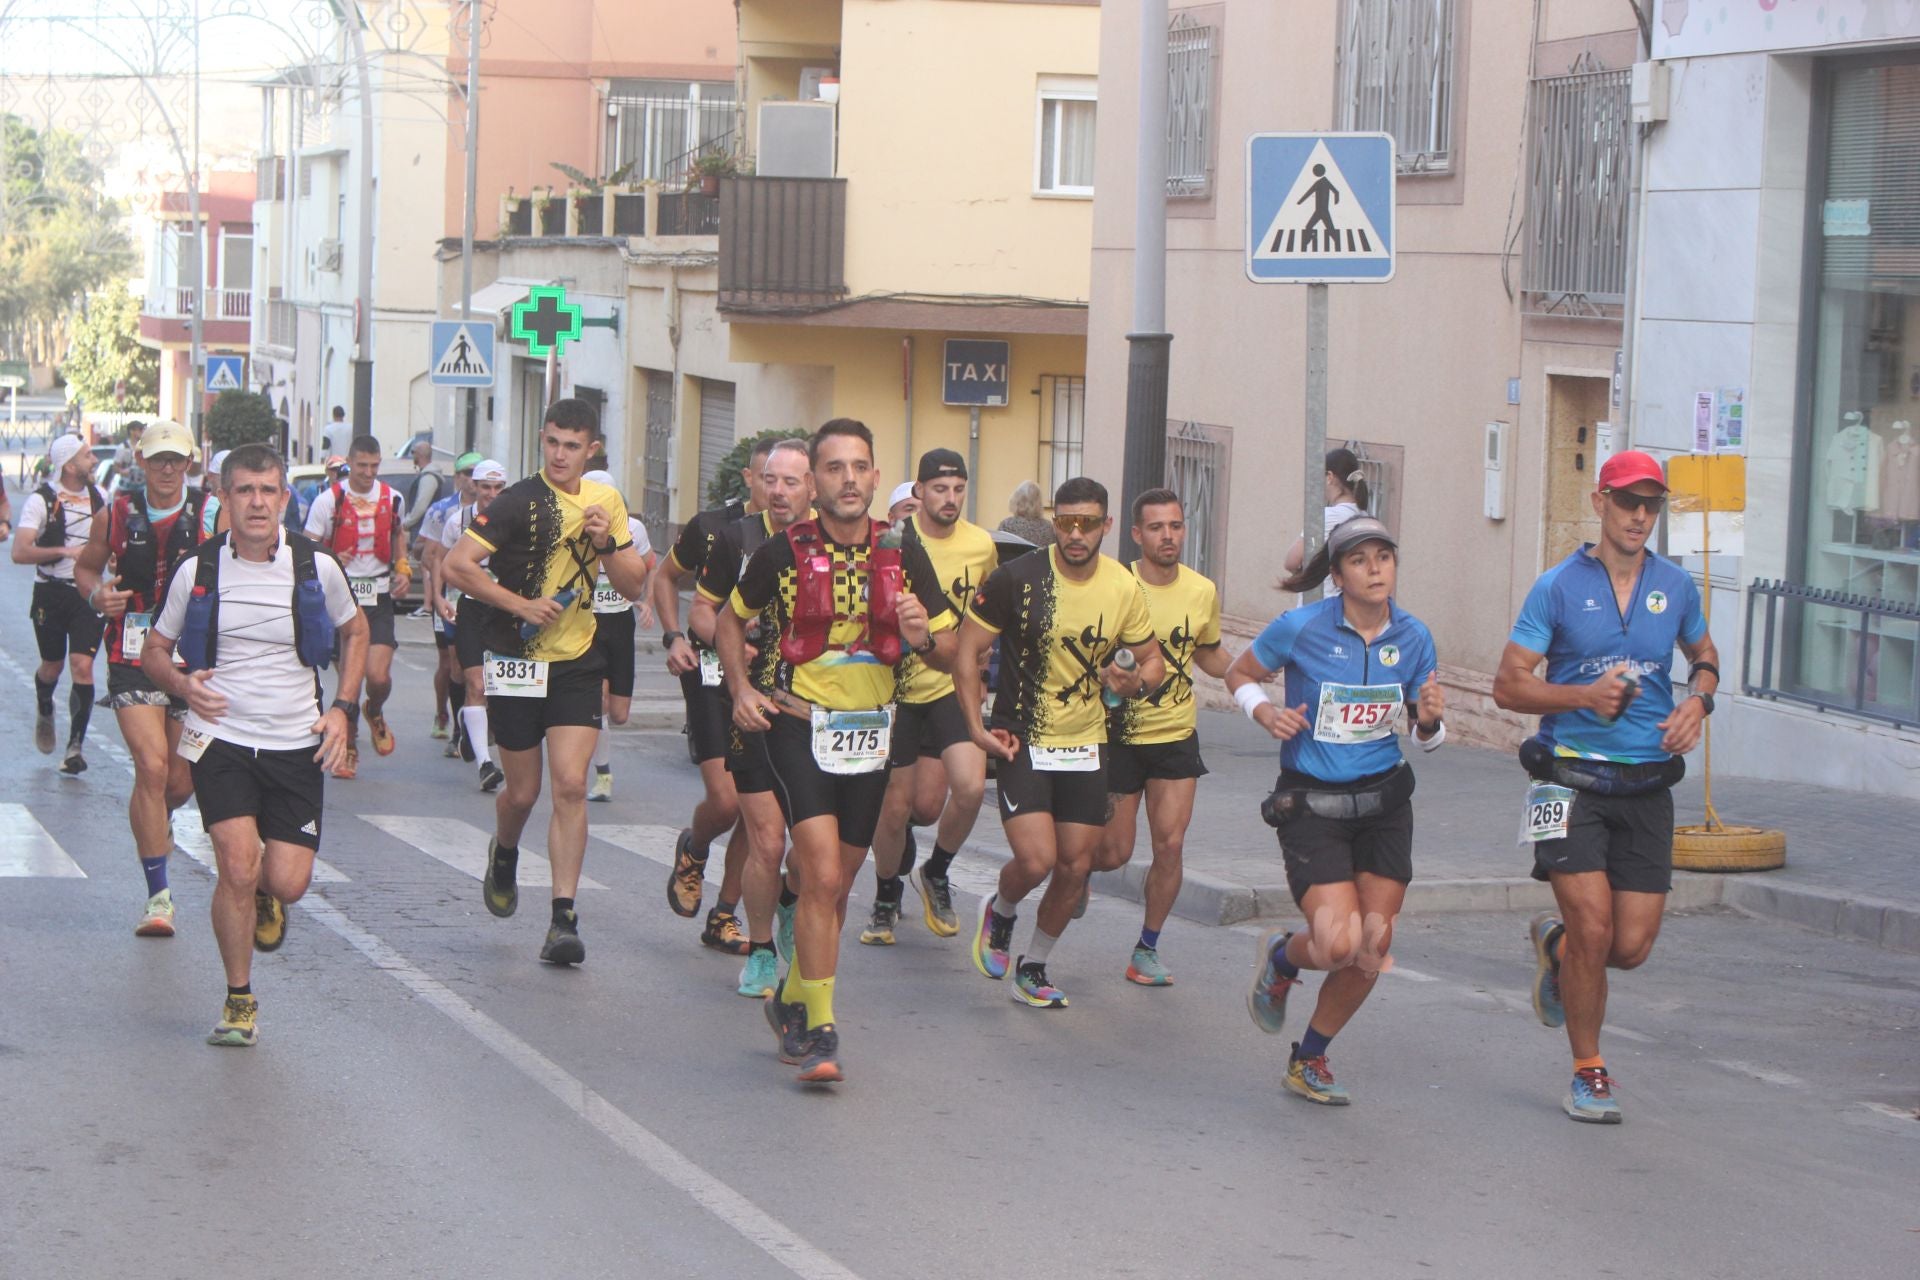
<point x="1636" y="228"/>
<point x="906" y="393"/>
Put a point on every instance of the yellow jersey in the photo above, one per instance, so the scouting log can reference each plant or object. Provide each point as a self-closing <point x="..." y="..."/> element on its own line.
<point x="536" y="540"/>
<point x="961" y="562"/>
<point x="1186" y="616"/>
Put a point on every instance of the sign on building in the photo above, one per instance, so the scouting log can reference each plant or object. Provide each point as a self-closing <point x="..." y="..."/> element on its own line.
<point x="461" y="354"/>
<point x="975" y="372"/>
<point x="226" y="373"/>
<point x="1320" y="208"/>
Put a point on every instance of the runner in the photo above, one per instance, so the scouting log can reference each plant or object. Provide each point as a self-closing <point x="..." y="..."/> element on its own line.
<point x="56" y="521"/>
<point x="1610" y="748"/>
<point x="786" y="486"/>
<point x="709" y="719"/>
<point x="1060" y="618"/>
<point x="1153" y="742"/>
<point x="614" y="628"/>
<point x="469" y="618"/>
<point x="255" y="613"/>
<point x="146" y="533"/>
<point x="935" y="762"/>
<point x="1342" y="805"/>
<point x="211" y="485"/>
<point x="545" y="539"/>
<point x="449" y="689"/>
<point x="359" y="520"/>
<point x="849" y="603"/>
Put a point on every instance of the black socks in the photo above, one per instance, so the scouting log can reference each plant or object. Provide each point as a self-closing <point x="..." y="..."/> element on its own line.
<point x="888" y="889"/>
<point x="80" y="711"/>
<point x="937" y="864"/>
<point x="563" y="911"/>
<point x="43" y="694"/>
<point x="787" y="896"/>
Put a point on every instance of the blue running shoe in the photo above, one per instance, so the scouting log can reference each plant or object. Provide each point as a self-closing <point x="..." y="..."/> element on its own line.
<point x="1313" y="1080"/>
<point x="1543" y="931"/>
<point x="789" y="1023"/>
<point x="1267" y="997"/>
<point x="783" y="932"/>
<point x="991" y="939"/>
<point x="1590" y="1098"/>
<point x="758" y="975"/>
<point x="1030" y="987"/>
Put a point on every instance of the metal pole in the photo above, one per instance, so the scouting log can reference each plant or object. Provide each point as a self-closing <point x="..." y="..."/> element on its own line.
<point x="1313" y="520"/>
<point x="973" y="460"/>
<point x="473" y="178"/>
<point x="1629" y="327"/>
<point x="196" y="334"/>
<point x="363" y="321"/>
<point x="1149" y="344"/>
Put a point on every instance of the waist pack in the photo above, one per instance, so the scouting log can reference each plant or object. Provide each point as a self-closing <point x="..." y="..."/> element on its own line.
<point x="1368" y="798"/>
<point x="312" y="624"/>
<point x="1601" y="777"/>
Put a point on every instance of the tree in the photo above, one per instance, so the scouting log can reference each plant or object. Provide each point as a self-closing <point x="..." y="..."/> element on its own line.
<point x="241" y="417"/>
<point x="105" y="355"/>
<point x="726" y="485"/>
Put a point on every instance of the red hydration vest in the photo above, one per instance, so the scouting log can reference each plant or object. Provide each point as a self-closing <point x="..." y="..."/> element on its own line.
<point x="346" y="539"/>
<point x="143" y="563"/>
<point x="813" y="612"/>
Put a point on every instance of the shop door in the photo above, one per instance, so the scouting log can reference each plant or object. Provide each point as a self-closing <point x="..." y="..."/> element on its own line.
<point x="654" y="510"/>
<point x="1577" y="443"/>
<point x="716" y="430"/>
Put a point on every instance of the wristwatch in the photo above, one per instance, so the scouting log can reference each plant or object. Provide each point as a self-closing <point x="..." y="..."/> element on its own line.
<point x="351" y="710"/>
<point x="924" y="649"/>
<point x="668" y="637"/>
<point x="1706" y="700"/>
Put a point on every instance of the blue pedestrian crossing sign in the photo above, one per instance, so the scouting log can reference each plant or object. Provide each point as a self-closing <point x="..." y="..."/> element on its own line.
<point x="226" y="373"/>
<point x="462" y="354"/>
<point x="1320" y="208"/>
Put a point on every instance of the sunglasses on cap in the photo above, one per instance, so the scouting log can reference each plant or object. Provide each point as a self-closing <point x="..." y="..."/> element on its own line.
<point x="1078" y="524"/>
<point x="1626" y="500"/>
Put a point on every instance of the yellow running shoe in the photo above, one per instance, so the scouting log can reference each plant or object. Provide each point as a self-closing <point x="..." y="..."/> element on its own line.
<point x="377" y="728"/>
<point x="236" y="1027"/>
<point x="269" y="921"/>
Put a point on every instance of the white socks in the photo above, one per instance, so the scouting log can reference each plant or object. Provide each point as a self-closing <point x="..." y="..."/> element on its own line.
<point x="603" y="750"/>
<point x="474" y="720"/>
<point x="1041" y="947"/>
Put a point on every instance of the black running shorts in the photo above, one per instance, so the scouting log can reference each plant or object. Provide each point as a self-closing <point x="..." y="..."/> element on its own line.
<point x="1320" y="850"/>
<point x="805" y="790"/>
<point x="613" y="635"/>
<point x="747" y="761"/>
<point x="1628" y="837"/>
<point x="1078" y="797"/>
<point x="926" y="729"/>
<point x="469" y="632"/>
<point x="63" y="623"/>
<point x="573" y="699"/>
<point x="280" y="790"/>
<point x="1130" y="765"/>
<point x="443" y="631"/>
<point x="709" y="717"/>
<point x="128" y="686"/>
<point x="379" y="616"/>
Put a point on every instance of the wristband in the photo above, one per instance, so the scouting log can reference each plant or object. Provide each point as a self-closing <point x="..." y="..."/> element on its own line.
<point x="1433" y="743"/>
<point x="1698" y="667"/>
<point x="1251" y="698"/>
<point x="404" y="568"/>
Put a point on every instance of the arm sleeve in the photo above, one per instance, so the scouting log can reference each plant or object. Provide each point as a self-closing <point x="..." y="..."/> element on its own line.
<point x="33" y="514"/>
<point x="993" y="603"/>
<point x="721" y="573"/>
<point x="333" y="582"/>
<point x="1273" y="647"/>
<point x="924" y="581"/>
<point x="173" y="610"/>
<point x="320" y="514"/>
<point x="1533" y="629"/>
<point x="1693" y="623"/>
<point x="761" y="578"/>
<point x="1136" y="624"/>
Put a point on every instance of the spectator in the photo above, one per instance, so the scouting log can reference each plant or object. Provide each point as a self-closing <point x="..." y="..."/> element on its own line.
<point x="428" y="484"/>
<point x="1028" y="519"/>
<point x="902" y="503"/>
<point x="1347" y="497"/>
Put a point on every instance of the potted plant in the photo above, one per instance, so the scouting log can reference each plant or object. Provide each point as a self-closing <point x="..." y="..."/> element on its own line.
<point x="710" y="166"/>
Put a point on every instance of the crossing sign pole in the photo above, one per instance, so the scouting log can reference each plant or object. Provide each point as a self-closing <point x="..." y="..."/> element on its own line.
<point x="1320" y="211"/>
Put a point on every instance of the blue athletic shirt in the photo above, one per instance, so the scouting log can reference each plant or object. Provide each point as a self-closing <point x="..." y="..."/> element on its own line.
<point x="1316" y="645"/>
<point x="1572" y="617"/>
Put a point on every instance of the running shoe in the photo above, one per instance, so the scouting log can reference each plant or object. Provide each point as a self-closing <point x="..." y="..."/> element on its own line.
<point x="602" y="786"/>
<point x="820" y="1064"/>
<point x="685" y="881"/>
<point x="157" y="920"/>
<point x="1542" y="931"/>
<point x="789" y="1022"/>
<point x="236" y="1027"/>
<point x="563" y="945"/>
<point x="992" y="938"/>
<point x="43" y="733"/>
<point x="936" y="903"/>
<point x="269" y="921"/>
<point x="1313" y="1080"/>
<point x="439" y="733"/>
<point x="74" y="765"/>
<point x="783" y="932"/>
<point x="377" y="729"/>
<point x="1145" y="968"/>
<point x="1030" y="987"/>
<point x="491" y="776"/>
<point x="349" y="767"/>
<point x="758" y="975"/>
<point x="455" y="740"/>
<point x="879" y="930"/>
<point x="1590" y="1098"/>
<point x="723" y="933"/>
<point x="500" y="886"/>
<point x="1267" y="997"/>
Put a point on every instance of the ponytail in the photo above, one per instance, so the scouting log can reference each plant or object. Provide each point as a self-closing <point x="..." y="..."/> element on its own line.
<point x="1344" y="466"/>
<point x="1312" y="573"/>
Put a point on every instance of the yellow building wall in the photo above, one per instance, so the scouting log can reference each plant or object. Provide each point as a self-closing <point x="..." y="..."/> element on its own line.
<point x="789" y="22"/>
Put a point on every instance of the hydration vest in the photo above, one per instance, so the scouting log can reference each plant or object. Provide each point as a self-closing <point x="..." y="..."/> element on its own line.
<point x="140" y="563"/>
<point x="345" y="538"/>
<point x="55" y="532"/>
<point x="312" y="624"/>
<point x="813" y="617"/>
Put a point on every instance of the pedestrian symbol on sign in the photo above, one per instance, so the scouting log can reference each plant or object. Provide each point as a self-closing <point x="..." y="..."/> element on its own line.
<point x="460" y="354"/>
<point x="1314" y="219"/>
<point x="460" y="358"/>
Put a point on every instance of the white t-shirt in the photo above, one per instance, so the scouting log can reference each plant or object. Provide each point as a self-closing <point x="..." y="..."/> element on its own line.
<point x="363" y="563"/>
<point x="33" y="518"/>
<point x="272" y="700"/>
<point x="1338" y="514"/>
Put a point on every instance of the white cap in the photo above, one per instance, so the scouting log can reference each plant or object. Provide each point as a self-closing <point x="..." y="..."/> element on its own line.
<point x="599" y="477"/>
<point x="217" y="461"/>
<point x="64" y="450"/>
<point x="901" y="492"/>
<point x="489" y="470"/>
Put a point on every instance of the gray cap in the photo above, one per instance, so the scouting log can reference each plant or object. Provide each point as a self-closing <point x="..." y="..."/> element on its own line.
<point x="1345" y="537"/>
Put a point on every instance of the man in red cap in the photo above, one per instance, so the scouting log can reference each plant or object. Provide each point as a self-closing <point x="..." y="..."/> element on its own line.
<point x="1599" y="812"/>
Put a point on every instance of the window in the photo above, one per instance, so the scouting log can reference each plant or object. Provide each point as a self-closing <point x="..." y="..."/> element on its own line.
<point x="1577" y="184"/>
<point x="1189" y="107"/>
<point x="1197" y="458"/>
<point x="1063" y="446"/>
<point x="236" y="256"/>
<point x="659" y="126"/>
<point x="1396" y="77"/>
<point x="1065" y="158"/>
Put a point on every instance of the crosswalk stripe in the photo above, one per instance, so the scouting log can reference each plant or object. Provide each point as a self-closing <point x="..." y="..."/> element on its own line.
<point x="191" y="839"/>
<point x="655" y="844"/>
<point x="463" y="847"/>
<point x="29" y="849"/>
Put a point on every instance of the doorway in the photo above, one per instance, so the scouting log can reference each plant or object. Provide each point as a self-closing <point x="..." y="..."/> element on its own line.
<point x="1579" y="439"/>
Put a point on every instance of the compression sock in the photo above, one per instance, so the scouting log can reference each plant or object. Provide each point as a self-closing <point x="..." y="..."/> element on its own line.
<point x="474" y="721"/>
<point x="1313" y="1044"/>
<point x="244" y="989"/>
<point x="155" y="870"/>
<point x="80" y="711"/>
<point x="603" y="751"/>
<point x="1595" y="1063"/>
<point x="43" y="694"/>
<point x="937" y="864"/>
<point x="815" y="993"/>
<point x="1281" y="965"/>
<point x="1040" y="948"/>
<point x="1150" y="939"/>
<point x="563" y="911"/>
<point x="456" y="696"/>
<point x="888" y="889"/>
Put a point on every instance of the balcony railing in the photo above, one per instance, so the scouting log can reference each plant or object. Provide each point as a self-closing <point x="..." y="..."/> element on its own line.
<point x="236" y="304"/>
<point x="1578" y="182"/>
<point x="176" y="302"/>
<point x="782" y="243"/>
<point x="1858" y="655"/>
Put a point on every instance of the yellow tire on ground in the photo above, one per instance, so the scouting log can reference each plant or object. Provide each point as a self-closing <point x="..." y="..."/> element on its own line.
<point x="1728" y="848"/>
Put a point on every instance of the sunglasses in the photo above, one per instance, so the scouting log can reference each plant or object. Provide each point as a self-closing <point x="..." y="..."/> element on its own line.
<point x="1078" y="524"/>
<point x="1651" y="503"/>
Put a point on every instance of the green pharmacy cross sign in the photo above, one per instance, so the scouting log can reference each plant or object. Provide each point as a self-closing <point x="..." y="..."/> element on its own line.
<point x="546" y="321"/>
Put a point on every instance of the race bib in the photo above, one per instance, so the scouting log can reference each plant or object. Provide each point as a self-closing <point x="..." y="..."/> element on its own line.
<point x="607" y="600"/>
<point x="709" y="669"/>
<point x="1065" y="759"/>
<point x="1352" y="713"/>
<point x="848" y="742"/>
<point x="194" y="743"/>
<point x="367" y="591"/>
<point x="515" y="677"/>
<point x="1548" y="809"/>
<point x="133" y="635"/>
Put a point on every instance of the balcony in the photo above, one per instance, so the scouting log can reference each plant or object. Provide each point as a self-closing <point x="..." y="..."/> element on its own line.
<point x="176" y="302"/>
<point x="782" y="243"/>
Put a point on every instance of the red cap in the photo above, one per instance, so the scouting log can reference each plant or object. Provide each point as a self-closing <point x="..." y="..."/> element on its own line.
<point x="1630" y="468"/>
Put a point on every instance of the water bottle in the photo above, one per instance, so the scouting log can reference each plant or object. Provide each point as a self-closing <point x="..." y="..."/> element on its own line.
<point x="528" y="630"/>
<point x="1125" y="661"/>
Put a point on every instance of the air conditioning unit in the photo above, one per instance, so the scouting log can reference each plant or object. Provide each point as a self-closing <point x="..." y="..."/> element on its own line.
<point x="329" y="255"/>
<point x="795" y="140"/>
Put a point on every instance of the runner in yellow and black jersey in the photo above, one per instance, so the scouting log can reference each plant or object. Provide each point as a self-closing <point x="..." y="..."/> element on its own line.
<point x="1060" y="616"/>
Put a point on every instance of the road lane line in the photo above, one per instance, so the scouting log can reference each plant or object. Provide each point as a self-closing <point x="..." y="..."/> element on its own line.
<point x="655" y="844"/>
<point x="463" y="847"/>
<point x="29" y="849"/>
<point x="652" y="1152"/>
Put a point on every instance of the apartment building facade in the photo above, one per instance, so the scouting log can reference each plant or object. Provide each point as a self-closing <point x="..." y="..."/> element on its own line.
<point x="224" y="289"/>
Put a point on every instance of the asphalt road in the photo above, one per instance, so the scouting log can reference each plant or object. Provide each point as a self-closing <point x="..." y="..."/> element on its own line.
<point x="426" y="1099"/>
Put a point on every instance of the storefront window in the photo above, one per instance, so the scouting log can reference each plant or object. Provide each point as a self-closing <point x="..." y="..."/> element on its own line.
<point x="1863" y="513"/>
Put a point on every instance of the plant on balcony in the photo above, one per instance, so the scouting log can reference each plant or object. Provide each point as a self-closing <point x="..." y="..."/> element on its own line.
<point x="106" y="356"/>
<point x="708" y="167"/>
<point x="594" y="186"/>
<point x="241" y="417"/>
<point x="726" y="484"/>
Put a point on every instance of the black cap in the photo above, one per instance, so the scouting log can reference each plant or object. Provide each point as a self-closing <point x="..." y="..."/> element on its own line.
<point x="935" y="463"/>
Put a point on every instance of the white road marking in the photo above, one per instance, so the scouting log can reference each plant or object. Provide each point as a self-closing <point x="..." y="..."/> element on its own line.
<point x="1768" y="1074"/>
<point x="29" y="849"/>
<point x="1891" y="1112"/>
<point x="653" y="1153"/>
<point x="191" y="839"/>
<point x="655" y="844"/>
<point x="1411" y="975"/>
<point x="463" y="847"/>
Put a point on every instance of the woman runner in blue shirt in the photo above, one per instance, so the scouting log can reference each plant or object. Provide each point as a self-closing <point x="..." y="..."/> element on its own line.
<point x="1354" y="663"/>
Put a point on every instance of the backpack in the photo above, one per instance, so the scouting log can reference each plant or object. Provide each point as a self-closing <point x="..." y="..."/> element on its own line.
<point x="55" y="532"/>
<point x="312" y="626"/>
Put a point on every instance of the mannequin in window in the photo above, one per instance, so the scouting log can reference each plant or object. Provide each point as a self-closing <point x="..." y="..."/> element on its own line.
<point x="1853" y="469"/>
<point x="1900" y="475"/>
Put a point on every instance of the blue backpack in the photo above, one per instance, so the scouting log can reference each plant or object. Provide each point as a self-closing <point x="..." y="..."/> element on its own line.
<point x="312" y="625"/>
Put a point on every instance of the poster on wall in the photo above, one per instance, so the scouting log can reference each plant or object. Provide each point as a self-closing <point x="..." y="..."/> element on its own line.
<point x="1730" y="420"/>
<point x="1703" y="422"/>
<point x="1692" y="28"/>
